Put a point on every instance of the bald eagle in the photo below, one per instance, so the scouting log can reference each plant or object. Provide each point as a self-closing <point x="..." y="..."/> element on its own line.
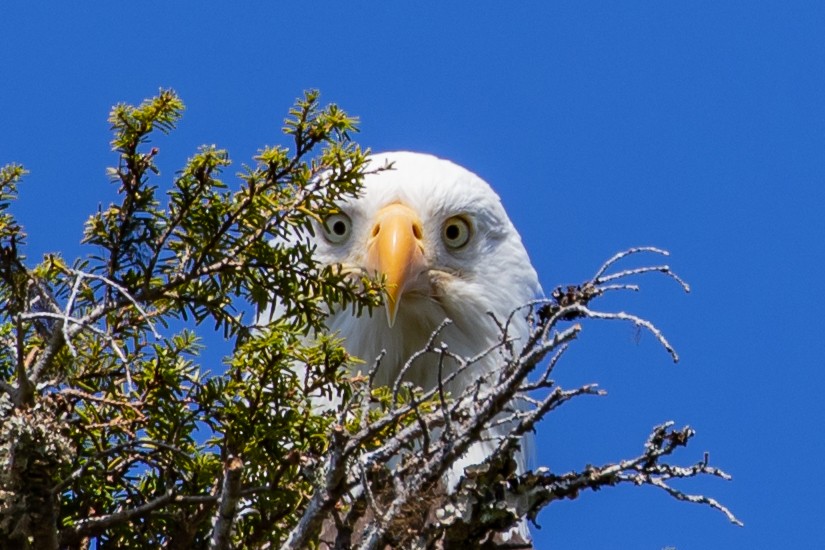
<point x="439" y="235"/>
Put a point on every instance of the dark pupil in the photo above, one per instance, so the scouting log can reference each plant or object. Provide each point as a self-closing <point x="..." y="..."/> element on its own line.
<point x="452" y="232"/>
<point x="339" y="227"/>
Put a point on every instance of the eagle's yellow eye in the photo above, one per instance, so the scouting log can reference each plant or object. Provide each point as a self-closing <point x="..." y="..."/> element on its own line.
<point x="456" y="232"/>
<point x="337" y="228"/>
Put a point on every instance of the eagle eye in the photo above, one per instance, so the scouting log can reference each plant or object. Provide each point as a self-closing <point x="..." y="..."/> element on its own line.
<point x="456" y="232"/>
<point x="337" y="227"/>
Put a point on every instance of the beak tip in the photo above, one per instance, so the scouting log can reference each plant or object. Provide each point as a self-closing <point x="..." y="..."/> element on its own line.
<point x="392" y="310"/>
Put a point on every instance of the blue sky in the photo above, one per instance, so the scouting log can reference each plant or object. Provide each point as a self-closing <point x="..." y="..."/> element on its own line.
<point x="694" y="126"/>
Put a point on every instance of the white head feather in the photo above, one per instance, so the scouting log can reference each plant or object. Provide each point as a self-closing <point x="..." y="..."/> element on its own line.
<point x="491" y="272"/>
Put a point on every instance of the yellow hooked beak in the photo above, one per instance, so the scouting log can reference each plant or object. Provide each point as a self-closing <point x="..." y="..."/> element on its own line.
<point x="395" y="250"/>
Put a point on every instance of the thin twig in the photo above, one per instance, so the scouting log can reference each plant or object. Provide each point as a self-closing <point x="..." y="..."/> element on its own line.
<point x="630" y="251"/>
<point x="664" y="269"/>
<point x="125" y="293"/>
<point x="408" y="365"/>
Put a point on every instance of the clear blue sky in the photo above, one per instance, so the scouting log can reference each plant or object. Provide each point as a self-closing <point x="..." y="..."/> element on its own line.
<point x="697" y="126"/>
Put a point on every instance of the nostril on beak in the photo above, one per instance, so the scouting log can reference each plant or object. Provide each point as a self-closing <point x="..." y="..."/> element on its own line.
<point x="376" y="229"/>
<point x="416" y="230"/>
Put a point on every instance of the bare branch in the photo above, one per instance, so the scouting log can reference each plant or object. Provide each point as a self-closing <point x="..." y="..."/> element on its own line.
<point x="97" y="524"/>
<point x="227" y="502"/>
<point x="124" y="292"/>
<point x="638" y="321"/>
<point x="426" y="349"/>
<point x="696" y="499"/>
<point x="621" y="255"/>
<point x="531" y="491"/>
<point x="640" y="270"/>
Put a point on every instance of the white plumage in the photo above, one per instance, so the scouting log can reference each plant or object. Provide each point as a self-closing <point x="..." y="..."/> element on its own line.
<point x="441" y="236"/>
